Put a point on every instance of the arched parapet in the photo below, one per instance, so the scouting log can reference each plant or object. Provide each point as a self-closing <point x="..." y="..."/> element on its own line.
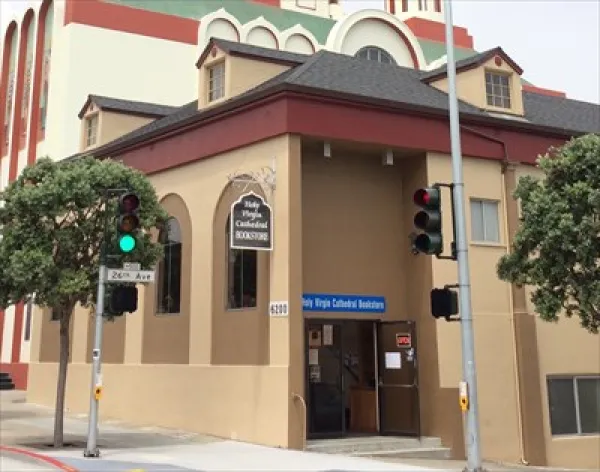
<point x="41" y="80"/>
<point x="219" y="24"/>
<point x="240" y="286"/>
<point x="356" y="30"/>
<point x="299" y="39"/>
<point x="10" y="41"/>
<point x="167" y="303"/>
<point x="260" y="32"/>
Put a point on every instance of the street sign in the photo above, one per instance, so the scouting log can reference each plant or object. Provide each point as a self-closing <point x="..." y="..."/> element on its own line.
<point x="121" y="275"/>
<point x="132" y="266"/>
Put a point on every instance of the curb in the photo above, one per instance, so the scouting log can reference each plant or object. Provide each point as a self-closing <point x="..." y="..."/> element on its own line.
<point x="39" y="458"/>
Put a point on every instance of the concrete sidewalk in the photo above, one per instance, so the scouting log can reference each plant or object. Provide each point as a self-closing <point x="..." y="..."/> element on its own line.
<point x="14" y="464"/>
<point x="126" y="447"/>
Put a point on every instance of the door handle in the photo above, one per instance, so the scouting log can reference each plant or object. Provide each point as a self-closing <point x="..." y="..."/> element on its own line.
<point x="380" y="381"/>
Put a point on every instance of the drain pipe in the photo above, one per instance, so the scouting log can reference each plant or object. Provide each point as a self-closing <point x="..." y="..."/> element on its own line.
<point x="300" y="399"/>
<point x="505" y="163"/>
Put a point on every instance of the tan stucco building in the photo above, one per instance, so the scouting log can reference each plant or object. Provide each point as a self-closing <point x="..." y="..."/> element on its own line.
<point x="336" y="146"/>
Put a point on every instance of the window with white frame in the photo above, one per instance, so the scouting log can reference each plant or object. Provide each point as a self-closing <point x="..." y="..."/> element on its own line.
<point x="497" y="89"/>
<point x="485" y="225"/>
<point x="216" y="81"/>
<point x="373" y="53"/>
<point x="574" y="403"/>
<point x="91" y="130"/>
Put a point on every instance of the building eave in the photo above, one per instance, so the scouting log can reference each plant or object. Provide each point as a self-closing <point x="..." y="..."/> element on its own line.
<point x="282" y="91"/>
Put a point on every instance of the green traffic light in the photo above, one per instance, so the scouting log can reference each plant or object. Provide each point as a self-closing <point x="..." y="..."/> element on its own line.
<point x="126" y="243"/>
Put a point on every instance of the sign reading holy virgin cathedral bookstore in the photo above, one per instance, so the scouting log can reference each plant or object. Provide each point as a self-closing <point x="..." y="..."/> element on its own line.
<point x="251" y="223"/>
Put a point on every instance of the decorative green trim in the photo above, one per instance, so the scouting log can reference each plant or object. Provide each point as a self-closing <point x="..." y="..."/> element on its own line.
<point x="433" y="50"/>
<point x="244" y="11"/>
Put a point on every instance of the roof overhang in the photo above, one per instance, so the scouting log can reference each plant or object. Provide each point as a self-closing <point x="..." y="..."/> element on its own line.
<point x="310" y="113"/>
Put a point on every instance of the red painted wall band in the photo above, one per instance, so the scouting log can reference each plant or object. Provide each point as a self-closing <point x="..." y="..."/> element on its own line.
<point x="434" y="31"/>
<point x="392" y="6"/>
<point x="132" y="20"/>
<point x="2" y="318"/>
<point x="34" y="114"/>
<point x="16" y="131"/>
<point x="39" y="457"/>
<point x="6" y="58"/>
<point x="17" y="333"/>
<point x="18" y="373"/>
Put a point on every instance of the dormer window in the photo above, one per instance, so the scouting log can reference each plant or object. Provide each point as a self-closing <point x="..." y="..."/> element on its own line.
<point x="497" y="87"/>
<point x="216" y="81"/>
<point x="91" y="130"/>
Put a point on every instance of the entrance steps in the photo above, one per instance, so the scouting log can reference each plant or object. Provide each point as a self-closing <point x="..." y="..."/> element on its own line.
<point x="6" y="382"/>
<point x="382" y="446"/>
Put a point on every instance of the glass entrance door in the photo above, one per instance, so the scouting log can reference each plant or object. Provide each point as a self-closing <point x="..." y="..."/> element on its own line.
<point x="325" y="396"/>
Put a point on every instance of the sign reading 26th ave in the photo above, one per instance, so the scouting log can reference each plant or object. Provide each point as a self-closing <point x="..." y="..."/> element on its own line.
<point x="251" y="223"/>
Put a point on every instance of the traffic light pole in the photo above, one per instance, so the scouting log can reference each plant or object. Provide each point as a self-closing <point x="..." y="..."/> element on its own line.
<point x="92" y="437"/>
<point x="91" y="449"/>
<point x="471" y="412"/>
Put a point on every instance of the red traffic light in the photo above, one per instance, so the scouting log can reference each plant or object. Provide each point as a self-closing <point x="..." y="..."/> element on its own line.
<point x="129" y="202"/>
<point x="425" y="197"/>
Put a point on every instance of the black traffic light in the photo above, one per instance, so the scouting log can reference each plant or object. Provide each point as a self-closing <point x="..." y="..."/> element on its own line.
<point x="121" y="299"/>
<point x="444" y="303"/>
<point x="428" y="220"/>
<point x="108" y="308"/>
<point x="128" y="222"/>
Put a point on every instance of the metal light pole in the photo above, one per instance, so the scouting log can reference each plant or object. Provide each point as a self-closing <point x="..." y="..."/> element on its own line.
<point x="468" y="343"/>
<point x="91" y="449"/>
<point x="92" y="439"/>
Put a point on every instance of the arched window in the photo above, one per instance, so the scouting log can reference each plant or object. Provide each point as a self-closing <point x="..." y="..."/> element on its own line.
<point x="241" y="276"/>
<point x="169" y="269"/>
<point x="373" y="53"/>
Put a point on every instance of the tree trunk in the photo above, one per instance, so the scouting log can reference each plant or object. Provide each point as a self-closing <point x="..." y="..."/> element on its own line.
<point x="63" y="363"/>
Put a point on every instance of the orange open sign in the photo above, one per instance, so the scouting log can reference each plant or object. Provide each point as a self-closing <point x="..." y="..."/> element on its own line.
<point x="403" y="340"/>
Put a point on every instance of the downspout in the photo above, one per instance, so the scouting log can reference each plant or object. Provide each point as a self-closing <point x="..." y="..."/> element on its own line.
<point x="504" y="165"/>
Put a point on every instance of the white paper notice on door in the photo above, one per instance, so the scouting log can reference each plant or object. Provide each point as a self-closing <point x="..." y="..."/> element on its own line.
<point x="313" y="357"/>
<point x="327" y="335"/>
<point x="393" y="360"/>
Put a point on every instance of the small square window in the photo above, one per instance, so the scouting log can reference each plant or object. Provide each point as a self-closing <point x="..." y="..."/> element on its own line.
<point x="216" y="82"/>
<point x="485" y="225"/>
<point x="91" y="130"/>
<point x="497" y="89"/>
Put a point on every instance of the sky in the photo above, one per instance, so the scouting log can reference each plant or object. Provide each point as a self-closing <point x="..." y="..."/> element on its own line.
<point x="556" y="42"/>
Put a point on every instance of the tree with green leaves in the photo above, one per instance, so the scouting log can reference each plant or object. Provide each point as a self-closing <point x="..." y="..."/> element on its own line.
<point x="52" y="220"/>
<point x="556" y="250"/>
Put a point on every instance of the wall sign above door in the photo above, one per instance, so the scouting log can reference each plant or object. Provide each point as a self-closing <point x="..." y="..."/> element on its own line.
<point x="335" y="303"/>
<point x="251" y="223"/>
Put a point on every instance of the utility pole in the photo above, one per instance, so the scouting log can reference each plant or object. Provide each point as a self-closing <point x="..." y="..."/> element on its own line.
<point x="470" y="407"/>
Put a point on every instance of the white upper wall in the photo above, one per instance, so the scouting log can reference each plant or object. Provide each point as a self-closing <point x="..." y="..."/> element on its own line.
<point x="322" y="8"/>
<point x="88" y="60"/>
<point x="419" y="9"/>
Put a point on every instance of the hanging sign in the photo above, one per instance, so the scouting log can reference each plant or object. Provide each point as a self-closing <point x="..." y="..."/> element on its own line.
<point x="251" y="223"/>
